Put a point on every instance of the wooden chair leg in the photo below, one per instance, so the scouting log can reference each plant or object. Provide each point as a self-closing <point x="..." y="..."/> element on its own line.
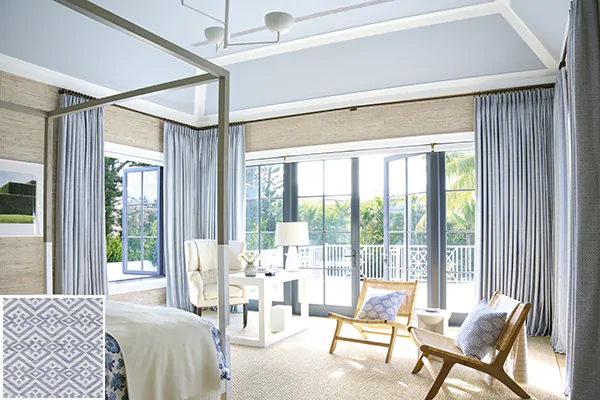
<point x="511" y="384"/>
<point x="245" y="315"/>
<point x="336" y="334"/>
<point x="419" y="365"/>
<point x="388" y="358"/>
<point x="437" y="384"/>
<point x="360" y="330"/>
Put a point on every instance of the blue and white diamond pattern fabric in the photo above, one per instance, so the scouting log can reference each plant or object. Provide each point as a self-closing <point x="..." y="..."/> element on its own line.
<point x="481" y="330"/>
<point x="381" y="307"/>
<point x="53" y="347"/>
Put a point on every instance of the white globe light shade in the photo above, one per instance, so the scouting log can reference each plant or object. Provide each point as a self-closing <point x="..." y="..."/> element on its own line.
<point x="278" y="21"/>
<point x="214" y="34"/>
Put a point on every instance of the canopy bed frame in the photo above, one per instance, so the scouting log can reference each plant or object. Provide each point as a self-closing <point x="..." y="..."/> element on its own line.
<point x="213" y="73"/>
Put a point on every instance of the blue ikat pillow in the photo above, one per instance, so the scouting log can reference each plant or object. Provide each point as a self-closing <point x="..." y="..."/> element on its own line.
<point x="481" y="330"/>
<point x="382" y="306"/>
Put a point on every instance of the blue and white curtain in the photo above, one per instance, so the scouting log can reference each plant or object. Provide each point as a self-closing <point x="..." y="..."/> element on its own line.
<point x="190" y="191"/>
<point x="80" y="232"/>
<point x="579" y="322"/>
<point x="513" y="147"/>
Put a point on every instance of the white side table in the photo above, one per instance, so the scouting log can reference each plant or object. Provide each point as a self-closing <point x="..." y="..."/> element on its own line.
<point x="434" y="320"/>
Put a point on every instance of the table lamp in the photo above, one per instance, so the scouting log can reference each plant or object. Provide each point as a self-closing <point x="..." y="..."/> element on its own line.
<point x="292" y="234"/>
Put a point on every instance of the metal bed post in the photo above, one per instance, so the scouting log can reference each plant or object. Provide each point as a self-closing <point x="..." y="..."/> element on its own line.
<point x="213" y="73"/>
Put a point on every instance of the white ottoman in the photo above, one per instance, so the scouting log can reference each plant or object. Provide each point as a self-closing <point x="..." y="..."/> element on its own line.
<point x="281" y="317"/>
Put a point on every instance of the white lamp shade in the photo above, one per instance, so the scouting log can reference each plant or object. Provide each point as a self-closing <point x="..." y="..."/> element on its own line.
<point x="291" y="234"/>
<point x="214" y="34"/>
<point x="278" y="21"/>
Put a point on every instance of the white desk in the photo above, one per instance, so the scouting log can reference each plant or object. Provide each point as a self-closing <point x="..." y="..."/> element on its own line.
<point x="265" y="286"/>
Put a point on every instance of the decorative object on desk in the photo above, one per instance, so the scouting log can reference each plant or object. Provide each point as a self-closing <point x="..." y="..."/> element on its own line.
<point x="292" y="234"/>
<point x="250" y="258"/>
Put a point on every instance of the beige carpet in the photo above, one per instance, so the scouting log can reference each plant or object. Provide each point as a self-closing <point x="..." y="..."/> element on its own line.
<point x="301" y="368"/>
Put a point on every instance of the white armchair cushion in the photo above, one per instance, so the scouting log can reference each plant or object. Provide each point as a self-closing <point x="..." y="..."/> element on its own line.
<point x="210" y="292"/>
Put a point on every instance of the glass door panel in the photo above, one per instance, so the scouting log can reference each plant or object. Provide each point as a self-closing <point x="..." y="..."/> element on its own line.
<point x="460" y="231"/>
<point x="324" y="202"/>
<point x="405" y="221"/>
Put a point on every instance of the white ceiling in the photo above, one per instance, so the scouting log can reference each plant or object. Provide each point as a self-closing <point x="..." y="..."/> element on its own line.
<point x="340" y="53"/>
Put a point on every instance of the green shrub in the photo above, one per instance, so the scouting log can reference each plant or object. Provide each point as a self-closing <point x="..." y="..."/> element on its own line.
<point x="17" y="204"/>
<point x="114" y="249"/>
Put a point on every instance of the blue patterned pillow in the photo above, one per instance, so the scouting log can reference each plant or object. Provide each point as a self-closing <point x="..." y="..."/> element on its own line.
<point x="480" y="331"/>
<point x="382" y="306"/>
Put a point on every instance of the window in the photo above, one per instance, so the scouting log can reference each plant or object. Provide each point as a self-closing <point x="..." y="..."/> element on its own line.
<point x="460" y="230"/>
<point x="133" y="212"/>
<point x="264" y="209"/>
<point x="141" y="221"/>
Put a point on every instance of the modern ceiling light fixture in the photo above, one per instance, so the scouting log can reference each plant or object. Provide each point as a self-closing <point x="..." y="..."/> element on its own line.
<point x="276" y="21"/>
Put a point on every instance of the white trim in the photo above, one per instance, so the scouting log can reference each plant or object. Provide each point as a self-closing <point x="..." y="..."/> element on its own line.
<point x="403" y="93"/>
<point x="121" y="151"/>
<point x="35" y="72"/>
<point x="527" y="35"/>
<point x="136" y="285"/>
<point x="48" y="269"/>
<point x="400" y="24"/>
<point x="402" y="145"/>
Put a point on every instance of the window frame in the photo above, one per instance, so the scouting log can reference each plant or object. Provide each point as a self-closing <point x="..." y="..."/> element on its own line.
<point x="259" y="201"/>
<point x="159" y="228"/>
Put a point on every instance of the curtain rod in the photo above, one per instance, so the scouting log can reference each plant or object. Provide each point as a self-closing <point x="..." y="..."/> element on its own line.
<point x="350" y="108"/>
<point x="196" y="128"/>
<point x="515" y="90"/>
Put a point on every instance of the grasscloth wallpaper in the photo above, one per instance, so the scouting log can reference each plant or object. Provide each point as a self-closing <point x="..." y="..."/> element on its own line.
<point x="426" y="117"/>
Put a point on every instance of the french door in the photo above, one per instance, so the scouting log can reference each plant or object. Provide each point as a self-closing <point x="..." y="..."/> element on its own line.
<point x="327" y="199"/>
<point x="405" y="244"/>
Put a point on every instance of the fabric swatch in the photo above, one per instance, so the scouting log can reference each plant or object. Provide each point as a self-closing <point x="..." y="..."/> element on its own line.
<point x="53" y="347"/>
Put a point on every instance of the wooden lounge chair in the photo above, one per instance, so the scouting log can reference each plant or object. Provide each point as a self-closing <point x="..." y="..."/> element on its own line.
<point x="430" y="343"/>
<point x="383" y="327"/>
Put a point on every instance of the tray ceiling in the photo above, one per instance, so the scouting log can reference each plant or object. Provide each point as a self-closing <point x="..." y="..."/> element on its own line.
<point x="341" y="53"/>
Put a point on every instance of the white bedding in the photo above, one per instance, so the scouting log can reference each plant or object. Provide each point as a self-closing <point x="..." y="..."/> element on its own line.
<point x="168" y="353"/>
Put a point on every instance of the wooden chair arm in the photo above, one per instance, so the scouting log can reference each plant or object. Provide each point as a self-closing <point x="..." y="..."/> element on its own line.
<point x="461" y="359"/>
<point x="349" y="320"/>
<point x="396" y="325"/>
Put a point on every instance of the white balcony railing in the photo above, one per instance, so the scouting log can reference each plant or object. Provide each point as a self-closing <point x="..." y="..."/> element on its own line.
<point x="460" y="261"/>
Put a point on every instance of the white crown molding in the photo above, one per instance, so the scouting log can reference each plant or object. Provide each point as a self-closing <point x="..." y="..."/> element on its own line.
<point x="517" y="23"/>
<point x="404" y="93"/>
<point x="53" y="78"/>
<point x="379" y="28"/>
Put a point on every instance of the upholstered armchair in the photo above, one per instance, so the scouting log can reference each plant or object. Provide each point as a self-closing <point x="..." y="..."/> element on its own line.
<point x="201" y="263"/>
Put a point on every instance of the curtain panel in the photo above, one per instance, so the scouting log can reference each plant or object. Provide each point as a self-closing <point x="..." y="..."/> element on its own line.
<point x="190" y="192"/>
<point x="80" y="233"/>
<point x="513" y="146"/>
<point x="583" y="82"/>
<point x="563" y="209"/>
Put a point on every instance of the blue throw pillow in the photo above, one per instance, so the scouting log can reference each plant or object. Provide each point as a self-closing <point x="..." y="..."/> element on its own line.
<point x="481" y="330"/>
<point x="383" y="306"/>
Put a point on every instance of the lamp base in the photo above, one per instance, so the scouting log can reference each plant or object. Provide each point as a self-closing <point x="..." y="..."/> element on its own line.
<point x="292" y="263"/>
